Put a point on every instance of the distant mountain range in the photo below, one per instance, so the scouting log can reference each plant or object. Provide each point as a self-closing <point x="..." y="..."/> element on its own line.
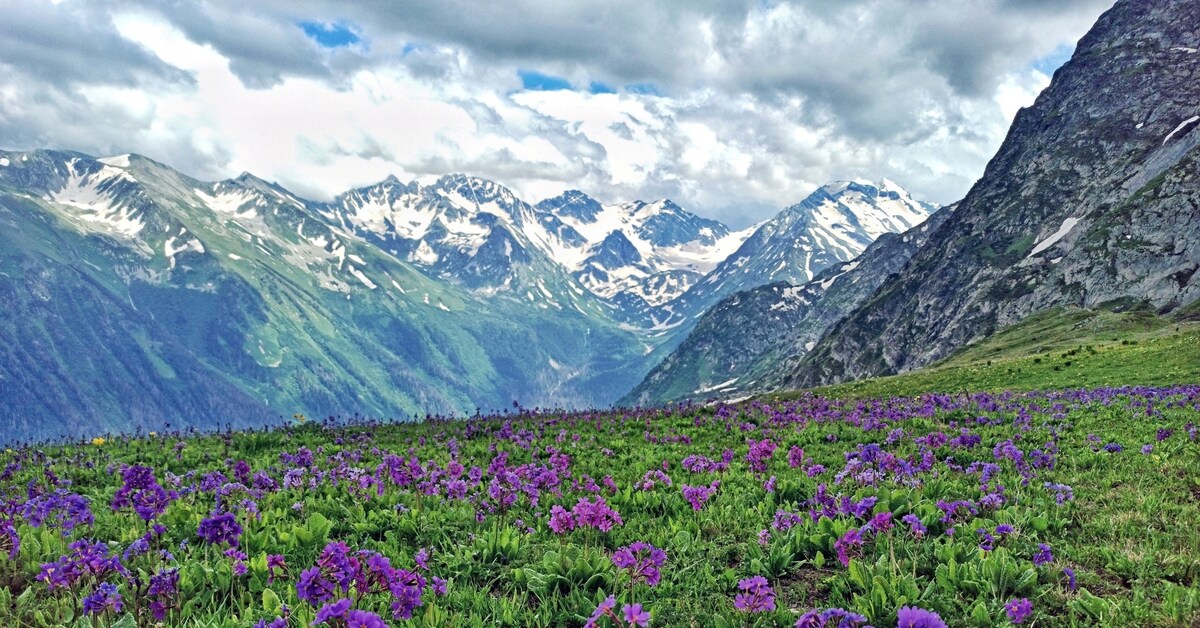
<point x="1092" y="202"/>
<point x="136" y="295"/>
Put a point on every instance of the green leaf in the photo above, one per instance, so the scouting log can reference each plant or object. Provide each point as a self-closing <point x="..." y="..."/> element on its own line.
<point x="270" y="601"/>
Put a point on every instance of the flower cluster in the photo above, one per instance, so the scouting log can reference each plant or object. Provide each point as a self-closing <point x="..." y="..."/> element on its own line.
<point x="361" y="573"/>
<point x="755" y="595"/>
<point x="697" y="496"/>
<point x="221" y="528"/>
<point x="831" y="618"/>
<point x="642" y="560"/>
<point x="141" y="491"/>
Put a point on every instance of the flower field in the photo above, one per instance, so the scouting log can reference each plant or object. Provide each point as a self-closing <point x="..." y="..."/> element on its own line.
<point x="1063" y="508"/>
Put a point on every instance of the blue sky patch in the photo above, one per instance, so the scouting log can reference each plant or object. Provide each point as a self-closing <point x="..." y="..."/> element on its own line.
<point x="596" y="87"/>
<point x="536" y="81"/>
<point x="1053" y="61"/>
<point x="336" y="35"/>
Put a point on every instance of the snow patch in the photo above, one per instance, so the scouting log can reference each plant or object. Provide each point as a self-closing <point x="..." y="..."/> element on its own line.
<point x="706" y="389"/>
<point x="358" y="274"/>
<point x="118" y="161"/>
<point x="4" y="162"/>
<point x="1179" y="128"/>
<point x="1064" y="229"/>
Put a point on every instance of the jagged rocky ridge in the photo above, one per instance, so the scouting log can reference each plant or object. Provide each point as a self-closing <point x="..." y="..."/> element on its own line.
<point x="742" y="345"/>
<point x="1091" y="201"/>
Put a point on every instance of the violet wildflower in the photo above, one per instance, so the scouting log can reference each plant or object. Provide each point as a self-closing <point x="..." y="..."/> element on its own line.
<point x="756" y="595"/>
<point x="1070" y="574"/>
<point x="1043" y="555"/>
<point x="642" y="560"/>
<point x="913" y="617"/>
<point x="220" y="528"/>
<point x="914" y="522"/>
<point x="830" y="618"/>
<point x="561" y="520"/>
<point x="848" y="545"/>
<point x="795" y="457"/>
<point x="105" y="599"/>
<point x="635" y="616"/>
<point x="163" y="593"/>
<point x="314" y="588"/>
<point x="275" y="564"/>
<point x="10" y="541"/>
<point x="333" y="610"/>
<point x="1018" y="610"/>
<point x="604" y="608"/>
<point x="364" y="619"/>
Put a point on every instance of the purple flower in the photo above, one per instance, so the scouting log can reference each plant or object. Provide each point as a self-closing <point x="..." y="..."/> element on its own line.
<point x="1070" y="574"/>
<point x="1043" y="555"/>
<point x="163" y="592"/>
<point x="1018" y="610"/>
<point x="760" y="454"/>
<point x="561" y="520"/>
<point x="756" y="595"/>
<point x="605" y="608"/>
<point x="697" y="496"/>
<point x="914" y="522"/>
<point x="1147" y="449"/>
<point x="596" y="514"/>
<point x="104" y="600"/>
<point x="635" y="616"/>
<point x="848" y="545"/>
<point x="333" y="610"/>
<point x="275" y="563"/>
<point x="913" y="617"/>
<point x="221" y="528"/>
<point x="313" y="588"/>
<point x="642" y="560"/>
<point x="10" y="541"/>
<point x="364" y="619"/>
<point x="795" y="457"/>
<point x="421" y="558"/>
<point x="830" y="618"/>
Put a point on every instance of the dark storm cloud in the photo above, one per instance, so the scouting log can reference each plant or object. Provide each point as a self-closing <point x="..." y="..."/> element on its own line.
<point x="67" y="44"/>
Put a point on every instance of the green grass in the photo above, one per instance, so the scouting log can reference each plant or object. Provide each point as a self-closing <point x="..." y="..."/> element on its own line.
<point x="1055" y="350"/>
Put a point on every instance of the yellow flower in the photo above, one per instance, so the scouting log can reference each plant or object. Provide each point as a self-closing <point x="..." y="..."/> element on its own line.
<point x="97" y="441"/>
<point x="153" y="434"/>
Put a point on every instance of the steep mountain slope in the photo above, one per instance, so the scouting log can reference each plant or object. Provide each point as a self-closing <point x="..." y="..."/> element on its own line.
<point x="742" y="344"/>
<point x="1091" y="200"/>
<point x="834" y="224"/>
<point x="141" y="296"/>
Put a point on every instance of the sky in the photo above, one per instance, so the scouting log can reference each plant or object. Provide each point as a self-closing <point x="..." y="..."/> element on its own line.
<point x="732" y="108"/>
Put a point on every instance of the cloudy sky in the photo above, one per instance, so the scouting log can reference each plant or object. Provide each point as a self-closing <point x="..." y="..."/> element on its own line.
<point x="734" y="108"/>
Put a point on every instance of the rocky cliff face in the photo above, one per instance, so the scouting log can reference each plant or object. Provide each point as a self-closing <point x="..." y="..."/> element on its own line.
<point x="1091" y="201"/>
<point x="741" y="345"/>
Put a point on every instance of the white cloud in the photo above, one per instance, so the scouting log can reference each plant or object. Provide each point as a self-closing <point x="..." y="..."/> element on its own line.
<point x="756" y="104"/>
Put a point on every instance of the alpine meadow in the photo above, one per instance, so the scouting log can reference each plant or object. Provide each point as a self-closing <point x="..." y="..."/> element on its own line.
<point x="501" y="323"/>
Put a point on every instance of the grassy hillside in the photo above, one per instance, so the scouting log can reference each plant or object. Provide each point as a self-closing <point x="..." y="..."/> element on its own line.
<point x="1046" y="509"/>
<point x="1055" y="350"/>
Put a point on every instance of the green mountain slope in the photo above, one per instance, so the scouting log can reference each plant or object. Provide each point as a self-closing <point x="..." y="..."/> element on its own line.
<point x="141" y="297"/>
<point x="1062" y="348"/>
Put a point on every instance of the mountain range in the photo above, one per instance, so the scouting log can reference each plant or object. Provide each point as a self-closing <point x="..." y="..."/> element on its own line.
<point x="1091" y="203"/>
<point x="139" y="296"/>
